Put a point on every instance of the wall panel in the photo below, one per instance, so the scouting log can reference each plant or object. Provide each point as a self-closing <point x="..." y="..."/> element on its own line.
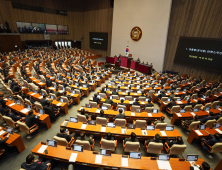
<point x="191" y="18"/>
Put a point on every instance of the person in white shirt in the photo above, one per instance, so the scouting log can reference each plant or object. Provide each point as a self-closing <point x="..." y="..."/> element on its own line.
<point x="204" y="166"/>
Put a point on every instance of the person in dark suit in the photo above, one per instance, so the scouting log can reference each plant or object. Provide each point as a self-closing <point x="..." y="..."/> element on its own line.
<point x="96" y="99"/>
<point x="108" y="100"/>
<point x="101" y="114"/>
<point x="48" y="82"/>
<point x="121" y="115"/>
<point x="43" y="101"/>
<point x="32" y="164"/>
<point x="162" y="95"/>
<point x="184" y="95"/>
<point x="2" y="143"/>
<point x="12" y="115"/>
<point x="30" y="119"/>
<point x="205" y="119"/>
<point x="85" y="138"/>
<point x="149" y="104"/>
<point x="136" y="102"/>
<point x="2" y="101"/>
<point x="83" y="112"/>
<point x="131" y="139"/>
<point x="213" y="139"/>
<point x="187" y="104"/>
<point x="172" y="95"/>
<point x="186" y="123"/>
<point x="2" y="110"/>
<point x="16" y="88"/>
<point x="109" y="136"/>
<point x="64" y="134"/>
<point x="162" y="118"/>
<point x="103" y="90"/>
<point x="172" y="103"/>
<point x="115" y="92"/>
<point x="156" y="139"/>
<point x="204" y="166"/>
<point x="178" y="141"/>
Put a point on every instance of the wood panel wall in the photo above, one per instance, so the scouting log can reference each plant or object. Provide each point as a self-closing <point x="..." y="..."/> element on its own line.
<point x="8" y="42"/>
<point x="192" y="18"/>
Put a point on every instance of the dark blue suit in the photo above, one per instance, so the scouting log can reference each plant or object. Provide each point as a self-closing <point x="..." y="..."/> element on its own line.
<point x="210" y="142"/>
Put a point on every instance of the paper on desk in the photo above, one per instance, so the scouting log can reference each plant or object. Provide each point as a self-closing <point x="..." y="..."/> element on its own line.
<point x="125" y="162"/>
<point x="98" y="111"/>
<point x="195" y="100"/>
<point x="41" y="83"/>
<point x="192" y="113"/>
<point x="202" y="98"/>
<point x="135" y="93"/>
<point x="23" y="87"/>
<point x="42" y="148"/>
<point x="83" y="126"/>
<point x="2" y="132"/>
<point x="73" y="157"/>
<point x="103" y="129"/>
<point x="123" y="130"/>
<point x="40" y="97"/>
<point x="179" y="102"/>
<point x="218" y="130"/>
<point x="208" y="111"/>
<point x="33" y="94"/>
<point x="12" y="104"/>
<point x="51" y="88"/>
<point x="164" y="165"/>
<point x="179" y="115"/>
<point x="163" y="133"/>
<point x="24" y="110"/>
<point x="64" y="123"/>
<point x="132" y="114"/>
<point x="149" y="114"/>
<point x="81" y="108"/>
<point x="144" y="132"/>
<point x="130" y="102"/>
<point x="142" y="103"/>
<point x="58" y="104"/>
<point x="98" y="159"/>
<point x="198" y="132"/>
<point x="219" y="109"/>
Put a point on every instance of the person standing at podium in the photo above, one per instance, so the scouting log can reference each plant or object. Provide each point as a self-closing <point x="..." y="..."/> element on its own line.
<point x="138" y="60"/>
<point x="119" y="59"/>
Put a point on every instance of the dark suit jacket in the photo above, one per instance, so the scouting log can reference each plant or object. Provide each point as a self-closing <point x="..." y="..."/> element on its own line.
<point x="109" y="101"/>
<point x="162" y="95"/>
<point x="86" y="138"/>
<point x="170" y="143"/>
<point x="153" y="140"/>
<point x="64" y="135"/>
<point x="48" y="83"/>
<point x="148" y="105"/>
<point x="43" y="102"/>
<point x="212" y="141"/>
<point x="14" y="116"/>
<point x="30" y="120"/>
<point x="205" y="119"/>
<point x="97" y="100"/>
<point x="171" y="104"/>
<point x="136" y="103"/>
<point x="16" y="89"/>
<point x="120" y="116"/>
<point x="112" y="138"/>
<point x="114" y="93"/>
<point x="130" y="140"/>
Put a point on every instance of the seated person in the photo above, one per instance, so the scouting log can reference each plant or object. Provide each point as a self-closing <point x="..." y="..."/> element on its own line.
<point x="172" y="95"/>
<point x="204" y="166"/>
<point x="184" y="95"/>
<point x="156" y="139"/>
<point x="83" y="112"/>
<point x="108" y="100"/>
<point x="103" y="90"/>
<point x="2" y="143"/>
<point x="95" y="99"/>
<point x="64" y="134"/>
<point x="210" y="117"/>
<point x="122" y="103"/>
<point x="44" y="101"/>
<point x="162" y="118"/>
<point x="12" y="115"/>
<point x="186" y="123"/>
<point x="136" y="102"/>
<point x="178" y="140"/>
<point x="187" y="104"/>
<point x="32" y="164"/>
<point x="109" y="136"/>
<point x="162" y="95"/>
<point x="172" y="103"/>
<point x="31" y="99"/>
<point x="22" y="94"/>
<point x="149" y="104"/>
<point x="16" y="88"/>
<point x="2" y="101"/>
<point x="213" y="139"/>
<point x="121" y="115"/>
<point x="101" y="114"/>
<point x="85" y="138"/>
<point x="30" y="119"/>
<point x="208" y="99"/>
<point x="131" y="139"/>
<point x="138" y="60"/>
<point x="1" y="110"/>
<point x="115" y="92"/>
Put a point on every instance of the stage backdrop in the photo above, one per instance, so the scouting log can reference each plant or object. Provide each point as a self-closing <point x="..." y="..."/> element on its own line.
<point x="152" y="16"/>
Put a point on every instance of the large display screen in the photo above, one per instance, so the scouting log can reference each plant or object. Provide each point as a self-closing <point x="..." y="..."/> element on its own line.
<point x="200" y="52"/>
<point x="98" y="40"/>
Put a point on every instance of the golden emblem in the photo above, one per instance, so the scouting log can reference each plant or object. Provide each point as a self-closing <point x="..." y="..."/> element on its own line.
<point x="136" y="33"/>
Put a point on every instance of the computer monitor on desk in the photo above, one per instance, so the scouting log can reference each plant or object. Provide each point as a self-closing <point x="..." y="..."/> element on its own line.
<point x="105" y="152"/>
<point x="202" y="127"/>
<point x="51" y="143"/>
<point x="164" y="157"/>
<point x="78" y="148"/>
<point x="192" y="157"/>
<point x="150" y="127"/>
<point x="73" y="119"/>
<point x="135" y="155"/>
<point x="169" y="128"/>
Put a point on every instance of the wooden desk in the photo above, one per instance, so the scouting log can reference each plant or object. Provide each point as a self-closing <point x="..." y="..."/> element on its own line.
<point x="108" y="162"/>
<point x="193" y="134"/>
<point x="116" y="131"/>
<point x="138" y="116"/>
<point x="85" y="90"/>
<point x="63" y="106"/>
<point x="13" y="140"/>
<point x="38" y="82"/>
<point x="43" y="118"/>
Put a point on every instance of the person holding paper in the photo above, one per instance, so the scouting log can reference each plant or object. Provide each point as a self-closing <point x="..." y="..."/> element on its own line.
<point x="121" y="115"/>
<point x="131" y="139"/>
<point x="85" y="138"/>
<point x="32" y="164"/>
<point x="156" y="139"/>
<point x="64" y="134"/>
<point x="204" y="166"/>
<point x="213" y="139"/>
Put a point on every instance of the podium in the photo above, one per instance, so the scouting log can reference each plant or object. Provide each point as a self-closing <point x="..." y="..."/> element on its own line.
<point x="117" y="64"/>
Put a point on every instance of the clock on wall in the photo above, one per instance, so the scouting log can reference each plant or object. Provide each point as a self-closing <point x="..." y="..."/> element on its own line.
<point x="136" y="33"/>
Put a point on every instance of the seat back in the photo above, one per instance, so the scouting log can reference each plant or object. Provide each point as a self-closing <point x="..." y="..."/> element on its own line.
<point x="120" y="122"/>
<point x="44" y="91"/>
<point x="1" y="117"/>
<point x="218" y="121"/>
<point x="142" y="98"/>
<point x="177" y="149"/>
<point x="109" y="106"/>
<point x="154" y="148"/>
<point x="81" y="118"/>
<point x="132" y="146"/>
<point x="164" y="99"/>
<point x="207" y="105"/>
<point x="216" y="148"/>
<point x="194" y="96"/>
<point x="103" y="95"/>
<point x="115" y="96"/>
<point x="9" y="121"/>
<point x="188" y="108"/>
<point x="23" y="127"/>
<point x="121" y="106"/>
<point x="101" y="120"/>
<point x="151" y="93"/>
<point x="210" y="123"/>
<point x="207" y="93"/>
<point x="175" y="109"/>
<point x="198" y="106"/>
<point x="149" y="109"/>
<point x="68" y="89"/>
<point x="20" y="99"/>
<point x="52" y="94"/>
<point x="140" y="123"/>
<point x="94" y="104"/>
<point x="60" y="141"/>
<point x="194" y="125"/>
<point x="215" y="103"/>
<point x="133" y="108"/>
<point x="38" y="105"/>
<point x="65" y="99"/>
<point x="86" y="145"/>
<point x="108" y="144"/>
<point x="161" y="125"/>
<point x="130" y="98"/>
